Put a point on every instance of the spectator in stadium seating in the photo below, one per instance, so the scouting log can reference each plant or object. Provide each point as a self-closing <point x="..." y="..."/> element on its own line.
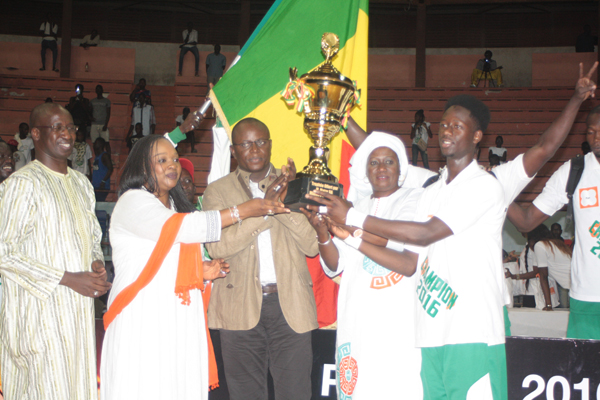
<point x="190" y="40"/>
<point x="81" y="157"/>
<point x="585" y="148"/>
<point x="49" y="30"/>
<point x="101" y="107"/>
<point x="101" y="170"/>
<point x="500" y="151"/>
<point x="486" y="65"/>
<point x="90" y="40"/>
<point x="191" y="136"/>
<point x="7" y="162"/>
<point x="49" y="100"/>
<point x="494" y="160"/>
<point x="215" y="65"/>
<point x="586" y="41"/>
<point x="25" y="152"/>
<point x="143" y="113"/>
<point x="420" y="132"/>
<point x="140" y="89"/>
<point x="138" y="135"/>
<point x="80" y="109"/>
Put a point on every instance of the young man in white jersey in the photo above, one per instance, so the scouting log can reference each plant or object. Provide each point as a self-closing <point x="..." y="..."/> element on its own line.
<point x="460" y="324"/>
<point x="584" y="317"/>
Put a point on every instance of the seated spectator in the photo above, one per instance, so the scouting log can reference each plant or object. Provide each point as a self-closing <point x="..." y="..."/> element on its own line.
<point x="7" y="162"/>
<point x="500" y="151"/>
<point x="215" y="65"/>
<point x="190" y="40"/>
<point x="419" y="133"/>
<point x="90" y="40"/>
<point x="100" y="116"/>
<point x="101" y="170"/>
<point x="486" y="66"/>
<point x="49" y="100"/>
<point x="494" y="160"/>
<point x="143" y="113"/>
<point x="586" y="41"/>
<point x="140" y="89"/>
<point x="25" y="152"/>
<point x="191" y="137"/>
<point x="49" y="30"/>
<point x="81" y="157"/>
<point x="138" y="135"/>
<point x="80" y="109"/>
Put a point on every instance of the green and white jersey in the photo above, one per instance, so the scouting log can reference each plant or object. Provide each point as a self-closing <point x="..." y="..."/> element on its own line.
<point x="460" y="279"/>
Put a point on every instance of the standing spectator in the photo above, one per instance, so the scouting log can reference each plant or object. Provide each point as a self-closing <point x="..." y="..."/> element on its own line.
<point x="265" y="308"/>
<point x="419" y="133"/>
<point x="215" y="65"/>
<point x="25" y="152"/>
<point x="556" y="231"/>
<point x="190" y="40"/>
<point x="90" y="40"/>
<point x="80" y="109"/>
<point x="81" y="157"/>
<point x="49" y="31"/>
<point x="586" y="41"/>
<point x="187" y="182"/>
<point x="143" y="113"/>
<point x="138" y="135"/>
<point x="100" y="115"/>
<point x="191" y="135"/>
<point x="52" y="269"/>
<point x="7" y="162"/>
<point x="500" y="151"/>
<point x="140" y="89"/>
<point x="102" y="170"/>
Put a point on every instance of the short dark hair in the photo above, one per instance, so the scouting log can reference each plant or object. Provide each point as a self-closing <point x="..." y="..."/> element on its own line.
<point x="595" y="110"/>
<point x="23" y="124"/>
<point x="420" y="112"/>
<point x="139" y="174"/>
<point x="249" y="121"/>
<point x="479" y="111"/>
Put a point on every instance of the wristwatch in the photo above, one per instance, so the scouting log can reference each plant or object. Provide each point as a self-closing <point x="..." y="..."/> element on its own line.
<point x="357" y="233"/>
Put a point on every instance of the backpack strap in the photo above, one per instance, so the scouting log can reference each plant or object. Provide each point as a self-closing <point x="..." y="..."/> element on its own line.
<point x="577" y="164"/>
<point x="431" y="180"/>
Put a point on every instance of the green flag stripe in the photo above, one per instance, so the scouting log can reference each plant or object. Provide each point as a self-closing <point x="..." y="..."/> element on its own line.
<point x="260" y="26"/>
<point x="290" y="37"/>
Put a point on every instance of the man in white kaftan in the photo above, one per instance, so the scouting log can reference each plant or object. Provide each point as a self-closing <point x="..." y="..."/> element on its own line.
<point x="49" y="245"/>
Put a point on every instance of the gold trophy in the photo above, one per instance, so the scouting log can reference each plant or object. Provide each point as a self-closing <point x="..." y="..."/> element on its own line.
<point x="325" y="96"/>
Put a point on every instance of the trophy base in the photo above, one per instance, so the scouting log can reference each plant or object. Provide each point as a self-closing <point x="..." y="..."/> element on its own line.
<point x="301" y="186"/>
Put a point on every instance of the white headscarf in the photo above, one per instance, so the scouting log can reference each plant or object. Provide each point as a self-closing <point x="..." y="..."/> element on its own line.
<point x="360" y="186"/>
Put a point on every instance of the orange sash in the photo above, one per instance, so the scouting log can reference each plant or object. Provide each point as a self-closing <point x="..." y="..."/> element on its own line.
<point x="189" y="276"/>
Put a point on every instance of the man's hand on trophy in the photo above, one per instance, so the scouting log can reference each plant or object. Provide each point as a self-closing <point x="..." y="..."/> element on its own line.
<point x="276" y="188"/>
<point x="192" y="122"/>
<point x="334" y="207"/>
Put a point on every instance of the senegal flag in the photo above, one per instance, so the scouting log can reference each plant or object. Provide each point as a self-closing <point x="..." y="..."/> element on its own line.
<point x="290" y="36"/>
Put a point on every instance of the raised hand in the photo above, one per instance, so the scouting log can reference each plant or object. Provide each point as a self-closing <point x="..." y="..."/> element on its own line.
<point x="318" y="222"/>
<point x="276" y="188"/>
<point x="215" y="269"/>
<point x="585" y="87"/>
<point x="191" y="122"/>
<point x="334" y="207"/>
<point x="290" y="170"/>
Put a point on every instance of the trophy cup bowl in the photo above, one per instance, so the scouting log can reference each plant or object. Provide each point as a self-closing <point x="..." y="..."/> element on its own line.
<point x="328" y="96"/>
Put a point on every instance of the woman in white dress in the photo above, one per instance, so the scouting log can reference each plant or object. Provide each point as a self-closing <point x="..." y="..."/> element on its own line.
<point x="155" y="347"/>
<point x="376" y="356"/>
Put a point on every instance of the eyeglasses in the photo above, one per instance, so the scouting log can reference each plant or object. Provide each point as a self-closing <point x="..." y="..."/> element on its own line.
<point x="259" y="143"/>
<point x="60" y="127"/>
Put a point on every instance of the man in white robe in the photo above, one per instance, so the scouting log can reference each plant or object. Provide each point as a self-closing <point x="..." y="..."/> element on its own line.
<point x="52" y="267"/>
